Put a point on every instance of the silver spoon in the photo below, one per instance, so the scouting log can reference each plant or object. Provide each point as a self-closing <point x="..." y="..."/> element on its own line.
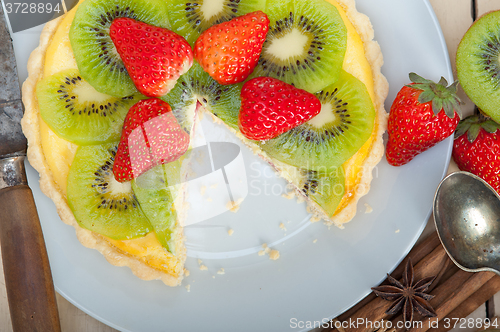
<point x="467" y="218"/>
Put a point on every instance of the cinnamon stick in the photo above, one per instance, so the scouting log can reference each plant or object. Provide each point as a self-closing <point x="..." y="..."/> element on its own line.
<point x="469" y="287"/>
<point x="470" y="304"/>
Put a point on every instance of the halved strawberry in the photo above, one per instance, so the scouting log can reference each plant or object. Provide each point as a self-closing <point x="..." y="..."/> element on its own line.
<point x="270" y="107"/>
<point x="151" y="136"/>
<point x="229" y="51"/>
<point x="154" y="57"/>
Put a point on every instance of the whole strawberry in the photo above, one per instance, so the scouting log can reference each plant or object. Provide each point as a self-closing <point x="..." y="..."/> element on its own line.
<point x="476" y="149"/>
<point x="154" y="57"/>
<point x="229" y="51"/>
<point x="270" y="107"/>
<point x="151" y="136"/>
<point x="423" y="114"/>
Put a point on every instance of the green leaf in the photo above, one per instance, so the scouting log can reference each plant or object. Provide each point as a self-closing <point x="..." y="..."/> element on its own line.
<point x="448" y="109"/>
<point x="443" y="82"/>
<point x="453" y="88"/>
<point x="490" y="126"/>
<point x="473" y="132"/>
<point x="426" y="96"/>
<point x="437" y="105"/>
<point x="461" y="129"/>
<point x="417" y="79"/>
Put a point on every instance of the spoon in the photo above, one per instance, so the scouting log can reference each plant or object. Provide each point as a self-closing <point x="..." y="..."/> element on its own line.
<point x="467" y="218"/>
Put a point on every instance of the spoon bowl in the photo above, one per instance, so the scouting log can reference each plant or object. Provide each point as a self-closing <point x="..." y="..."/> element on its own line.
<point x="467" y="218"/>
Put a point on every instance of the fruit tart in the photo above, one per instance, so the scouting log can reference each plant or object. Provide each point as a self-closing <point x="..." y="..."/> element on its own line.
<point x="86" y="95"/>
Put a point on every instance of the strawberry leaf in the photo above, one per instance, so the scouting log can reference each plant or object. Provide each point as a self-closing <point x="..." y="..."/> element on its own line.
<point x="473" y="132"/>
<point x="418" y="79"/>
<point x="440" y="94"/>
<point x="425" y="97"/>
<point x="437" y="106"/>
<point x="490" y="126"/>
<point x="443" y="82"/>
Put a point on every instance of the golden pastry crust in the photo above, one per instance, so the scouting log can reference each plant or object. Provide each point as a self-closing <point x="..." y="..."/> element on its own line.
<point x="374" y="56"/>
<point x="30" y="125"/>
<point x="31" y="128"/>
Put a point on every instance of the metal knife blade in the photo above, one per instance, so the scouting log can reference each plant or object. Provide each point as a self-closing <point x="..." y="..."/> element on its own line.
<point x="12" y="139"/>
<point x="28" y="278"/>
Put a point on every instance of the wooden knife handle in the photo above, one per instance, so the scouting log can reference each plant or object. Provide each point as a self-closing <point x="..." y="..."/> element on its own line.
<point x="28" y="279"/>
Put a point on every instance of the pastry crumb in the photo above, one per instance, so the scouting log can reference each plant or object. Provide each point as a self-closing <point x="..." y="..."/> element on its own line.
<point x="288" y="195"/>
<point x="397" y="231"/>
<point x="221" y="271"/>
<point x="369" y="209"/>
<point x="214" y="186"/>
<point x="282" y="226"/>
<point x="203" y="267"/>
<point x="234" y="206"/>
<point x="315" y="218"/>
<point x="274" y="254"/>
<point x="186" y="273"/>
<point x="230" y="232"/>
<point x="188" y="287"/>
<point x="315" y="240"/>
<point x="203" y="189"/>
<point x="300" y="199"/>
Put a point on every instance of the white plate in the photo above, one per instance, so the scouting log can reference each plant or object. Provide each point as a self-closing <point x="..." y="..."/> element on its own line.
<point x="311" y="281"/>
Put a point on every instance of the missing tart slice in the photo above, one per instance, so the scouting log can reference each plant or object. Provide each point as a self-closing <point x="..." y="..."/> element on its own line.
<point x="313" y="157"/>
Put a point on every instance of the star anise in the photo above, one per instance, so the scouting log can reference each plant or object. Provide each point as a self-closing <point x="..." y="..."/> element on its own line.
<point x="407" y="295"/>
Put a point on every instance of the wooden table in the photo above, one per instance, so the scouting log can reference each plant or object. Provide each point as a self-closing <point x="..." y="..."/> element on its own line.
<point x="455" y="17"/>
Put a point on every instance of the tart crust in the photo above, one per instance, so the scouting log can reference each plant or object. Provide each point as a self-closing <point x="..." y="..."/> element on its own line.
<point x="31" y="128"/>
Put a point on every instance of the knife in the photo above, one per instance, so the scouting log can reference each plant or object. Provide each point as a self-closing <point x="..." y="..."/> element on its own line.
<point x="28" y="279"/>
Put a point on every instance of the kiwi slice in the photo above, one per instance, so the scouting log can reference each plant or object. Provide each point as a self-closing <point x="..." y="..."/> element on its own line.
<point x="95" y="54"/>
<point x="75" y="111"/>
<point x="478" y="64"/>
<point x="305" y="45"/>
<point x="157" y="203"/>
<point x="330" y="138"/>
<point x="190" y="18"/>
<point x="197" y="86"/>
<point x="99" y="202"/>
<point x="326" y="190"/>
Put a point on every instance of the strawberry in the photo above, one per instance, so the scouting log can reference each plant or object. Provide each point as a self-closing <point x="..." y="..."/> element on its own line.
<point x="270" y="107"/>
<point x="151" y="136"/>
<point x="423" y="114"/>
<point x="476" y="149"/>
<point x="154" y="57"/>
<point x="229" y="51"/>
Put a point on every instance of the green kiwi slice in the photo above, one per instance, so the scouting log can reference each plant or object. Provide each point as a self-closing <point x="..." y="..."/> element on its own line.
<point x="197" y="86"/>
<point x="95" y="54"/>
<point x="478" y="64"/>
<point x="326" y="190"/>
<point x="330" y="138"/>
<point x="190" y="18"/>
<point x="305" y="45"/>
<point x="75" y="111"/>
<point x="157" y="202"/>
<point x="99" y="202"/>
